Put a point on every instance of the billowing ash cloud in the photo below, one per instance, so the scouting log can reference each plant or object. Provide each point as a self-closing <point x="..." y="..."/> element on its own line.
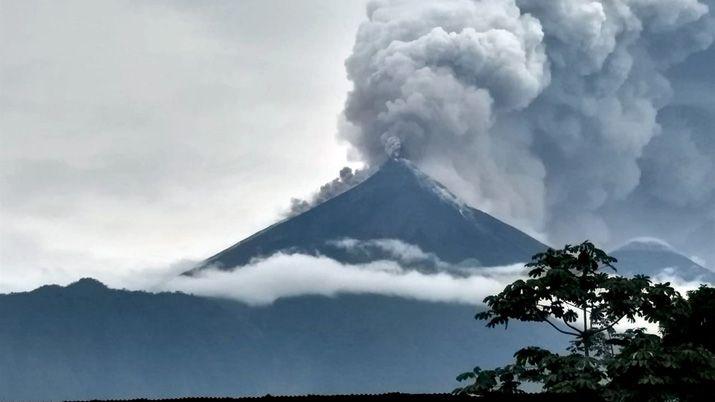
<point x="433" y="77"/>
<point x="557" y="115"/>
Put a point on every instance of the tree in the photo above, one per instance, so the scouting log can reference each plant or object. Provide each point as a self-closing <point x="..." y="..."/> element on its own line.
<point x="502" y="379"/>
<point x="570" y="285"/>
<point x="679" y="364"/>
<point x="570" y="290"/>
<point x="650" y="369"/>
<point x="692" y="320"/>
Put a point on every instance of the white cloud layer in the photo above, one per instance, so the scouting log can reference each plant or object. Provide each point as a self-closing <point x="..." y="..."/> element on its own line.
<point x="284" y="275"/>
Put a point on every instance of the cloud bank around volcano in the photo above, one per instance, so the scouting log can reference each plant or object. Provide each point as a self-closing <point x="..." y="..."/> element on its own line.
<point x="282" y="275"/>
<point x="566" y="117"/>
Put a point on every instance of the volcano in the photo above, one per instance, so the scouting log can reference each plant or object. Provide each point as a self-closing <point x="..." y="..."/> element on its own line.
<point x="398" y="207"/>
<point x="653" y="257"/>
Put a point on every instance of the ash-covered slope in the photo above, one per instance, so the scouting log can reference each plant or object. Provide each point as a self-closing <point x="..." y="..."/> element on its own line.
<point x="652" y="257"/>
<point x="398" y="202"/>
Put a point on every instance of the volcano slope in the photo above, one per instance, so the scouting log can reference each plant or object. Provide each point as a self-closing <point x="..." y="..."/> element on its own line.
<point x="397" y="204"/>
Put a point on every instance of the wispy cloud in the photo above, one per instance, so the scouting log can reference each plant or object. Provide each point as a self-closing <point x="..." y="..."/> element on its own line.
<point x="283" y="275"/>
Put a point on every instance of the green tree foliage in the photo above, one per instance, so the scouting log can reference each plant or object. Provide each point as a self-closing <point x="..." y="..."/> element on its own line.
<point x="502" y="379"/>
<point x="570" y="285"/>
<point x="647" y="368"/>
<point x="692" y="321"/>
<point x="570" y="290"/>
<point x="571" y="373"/>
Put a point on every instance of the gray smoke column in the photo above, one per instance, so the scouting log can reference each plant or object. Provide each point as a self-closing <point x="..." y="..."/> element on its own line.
<point x="546" y="113"/>
<point x="347" y="179"/>
<point x="435" y="77"/>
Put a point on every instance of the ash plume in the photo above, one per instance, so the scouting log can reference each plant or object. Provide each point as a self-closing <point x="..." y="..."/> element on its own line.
<point x="347" y="179"/>
<point x="566" y="117"/>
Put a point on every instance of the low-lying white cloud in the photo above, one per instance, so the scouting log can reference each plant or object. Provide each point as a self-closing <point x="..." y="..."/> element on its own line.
<point x="396" y="248"/>
<point x="283" y="275"/>
<point x="648" y="243"/>
<point x="405" y="254"/>
<point x="679" y="284"/>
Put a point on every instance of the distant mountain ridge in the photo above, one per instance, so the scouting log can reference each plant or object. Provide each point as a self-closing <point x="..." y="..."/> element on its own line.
<point x="86" y="341"/>
<point x="398" y="203"/>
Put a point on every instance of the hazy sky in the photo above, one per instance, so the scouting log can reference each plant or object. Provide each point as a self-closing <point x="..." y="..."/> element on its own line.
<point x="133" y="134"/>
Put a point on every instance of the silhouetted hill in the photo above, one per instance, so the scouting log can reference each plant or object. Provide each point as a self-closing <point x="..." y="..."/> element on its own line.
<point x="402" y="397"/>
<point x="87" y="341"/>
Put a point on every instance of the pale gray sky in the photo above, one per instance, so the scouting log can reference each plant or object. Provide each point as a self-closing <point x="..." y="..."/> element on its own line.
<point x="133" y="134"/>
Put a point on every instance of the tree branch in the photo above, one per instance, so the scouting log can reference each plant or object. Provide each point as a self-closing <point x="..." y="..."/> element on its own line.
<point x="609" y="326"/>
<point x="546" y="320"/>
<point x="545" y="316"/>
<point x="573" y="306"/>
<point x="570" y="326"/>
